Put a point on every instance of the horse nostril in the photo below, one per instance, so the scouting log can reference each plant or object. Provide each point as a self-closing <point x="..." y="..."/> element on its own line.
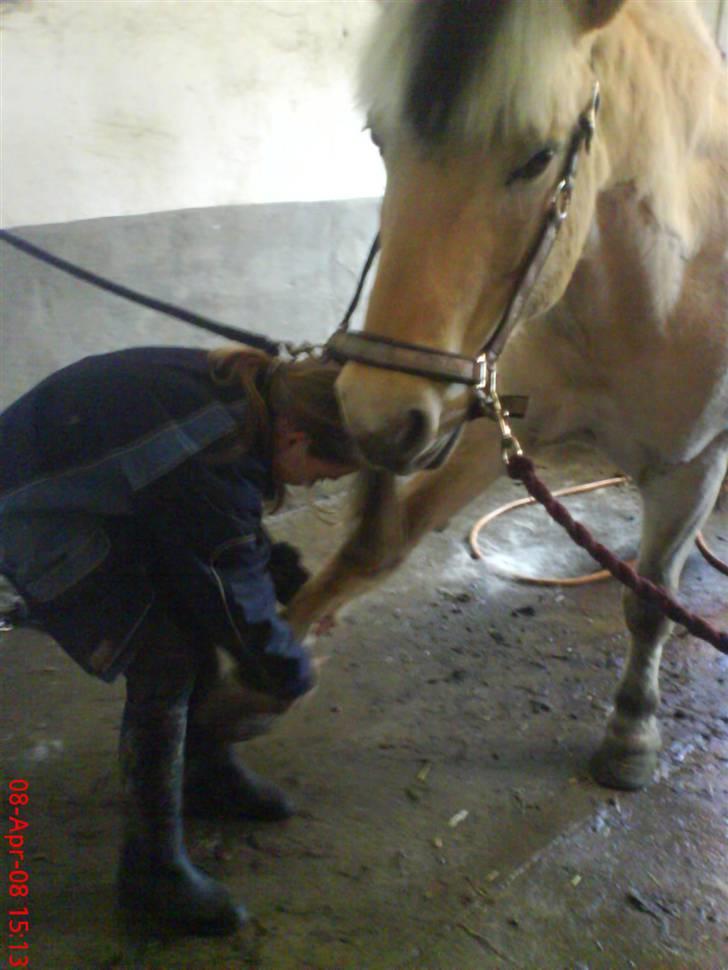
<point x="413" y="434"/>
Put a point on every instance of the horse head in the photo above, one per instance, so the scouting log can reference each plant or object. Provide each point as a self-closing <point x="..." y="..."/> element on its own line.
<point x="473" y="104"/>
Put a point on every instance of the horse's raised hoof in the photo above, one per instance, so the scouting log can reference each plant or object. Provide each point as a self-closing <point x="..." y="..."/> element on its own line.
<point x="615" y="766"/>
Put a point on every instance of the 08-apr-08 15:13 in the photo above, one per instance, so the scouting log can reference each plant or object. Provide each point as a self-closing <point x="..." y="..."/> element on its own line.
<point x="18" y="926"/>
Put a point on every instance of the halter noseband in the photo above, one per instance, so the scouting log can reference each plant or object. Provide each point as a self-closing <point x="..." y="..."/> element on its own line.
<point x="479" y="372"/>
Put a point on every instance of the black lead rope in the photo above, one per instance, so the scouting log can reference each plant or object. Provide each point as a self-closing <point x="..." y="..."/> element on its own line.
<point x="256" y="340"/>
<point x="374" y="249"/>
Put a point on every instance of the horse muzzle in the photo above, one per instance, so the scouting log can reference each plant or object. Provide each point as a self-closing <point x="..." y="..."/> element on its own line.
<point x="393" y="417"/>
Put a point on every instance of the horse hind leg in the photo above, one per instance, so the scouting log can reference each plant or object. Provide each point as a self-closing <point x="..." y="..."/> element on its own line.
<point x="675" y="505"/>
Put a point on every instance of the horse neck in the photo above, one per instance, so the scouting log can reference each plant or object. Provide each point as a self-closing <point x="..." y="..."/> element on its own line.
<point x="664" y="101"/>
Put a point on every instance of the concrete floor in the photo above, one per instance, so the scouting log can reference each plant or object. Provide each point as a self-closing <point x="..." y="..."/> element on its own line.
<point x="451" y="690"/>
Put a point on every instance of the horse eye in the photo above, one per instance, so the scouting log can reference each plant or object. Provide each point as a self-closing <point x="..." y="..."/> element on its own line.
<point x="537" y="164"/>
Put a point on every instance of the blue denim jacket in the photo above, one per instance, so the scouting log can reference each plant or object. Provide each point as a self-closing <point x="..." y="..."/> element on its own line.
<point x="103" y="478"/>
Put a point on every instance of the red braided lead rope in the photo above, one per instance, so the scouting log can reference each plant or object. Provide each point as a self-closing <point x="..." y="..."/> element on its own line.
<point x="522" y="469"/>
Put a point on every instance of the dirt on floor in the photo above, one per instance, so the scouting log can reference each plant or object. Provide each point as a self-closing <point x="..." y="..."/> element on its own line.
<point x="446" y="817"/>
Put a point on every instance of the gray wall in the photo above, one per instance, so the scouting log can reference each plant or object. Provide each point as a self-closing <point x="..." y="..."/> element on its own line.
<point x="287" y="270"/>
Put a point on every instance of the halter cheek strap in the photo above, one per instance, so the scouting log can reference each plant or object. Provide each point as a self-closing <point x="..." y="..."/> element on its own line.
<point x="555" y="215"/>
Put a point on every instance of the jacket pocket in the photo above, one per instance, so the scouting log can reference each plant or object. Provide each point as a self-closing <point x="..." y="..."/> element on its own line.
<point x="46" y="555"/>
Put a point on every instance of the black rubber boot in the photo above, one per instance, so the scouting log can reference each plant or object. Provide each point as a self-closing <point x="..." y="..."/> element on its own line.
<point x="157" y="880"/>
<point x="218" y="785"/>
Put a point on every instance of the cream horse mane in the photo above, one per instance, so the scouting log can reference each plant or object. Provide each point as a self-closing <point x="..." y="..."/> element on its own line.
<point x="510" y="53"/>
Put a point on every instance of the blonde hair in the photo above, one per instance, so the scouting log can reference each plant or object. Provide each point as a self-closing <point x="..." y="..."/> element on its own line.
<point x="301" y="390"/>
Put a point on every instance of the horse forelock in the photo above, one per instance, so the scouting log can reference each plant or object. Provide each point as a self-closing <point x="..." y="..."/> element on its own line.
<point x="464" y="69"/>
<point x="450" y="40"/>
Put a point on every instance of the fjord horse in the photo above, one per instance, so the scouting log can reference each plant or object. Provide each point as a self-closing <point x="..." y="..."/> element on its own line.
<point x="623" y="341"/>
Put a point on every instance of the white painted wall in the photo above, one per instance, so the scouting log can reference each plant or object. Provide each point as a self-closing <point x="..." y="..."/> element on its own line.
<point x="117" y="107"/>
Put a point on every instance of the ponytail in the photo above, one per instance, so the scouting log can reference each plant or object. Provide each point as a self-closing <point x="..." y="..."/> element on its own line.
<point x="301" y="390"/>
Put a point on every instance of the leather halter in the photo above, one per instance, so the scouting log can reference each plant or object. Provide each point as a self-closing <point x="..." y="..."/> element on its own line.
<point x="479" y="372"/>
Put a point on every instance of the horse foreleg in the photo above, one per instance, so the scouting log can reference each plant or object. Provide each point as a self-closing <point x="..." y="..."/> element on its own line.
<point x="369" y="553"/>
<point x="675" y="504"/>
<point x="392" y="524"/>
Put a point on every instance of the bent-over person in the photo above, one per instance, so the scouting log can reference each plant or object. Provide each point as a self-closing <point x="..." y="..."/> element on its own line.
<point x="132" y="493"/>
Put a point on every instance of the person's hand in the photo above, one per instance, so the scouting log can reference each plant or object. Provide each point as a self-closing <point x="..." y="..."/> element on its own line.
<point x="287" y="571"/>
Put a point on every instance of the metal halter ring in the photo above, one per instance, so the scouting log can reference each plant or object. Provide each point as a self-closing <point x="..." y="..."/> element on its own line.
<point x="562" y="199"/>
<point x="304" y="349"/>
<point x="510" y="445"/>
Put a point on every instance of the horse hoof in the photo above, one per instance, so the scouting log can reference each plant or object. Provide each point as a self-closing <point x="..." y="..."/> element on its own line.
<point x="618" y="767"/>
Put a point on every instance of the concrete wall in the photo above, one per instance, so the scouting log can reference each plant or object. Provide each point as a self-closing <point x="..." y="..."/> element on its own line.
<point x="287" y="270"/>
<point x="115" y="107"/>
